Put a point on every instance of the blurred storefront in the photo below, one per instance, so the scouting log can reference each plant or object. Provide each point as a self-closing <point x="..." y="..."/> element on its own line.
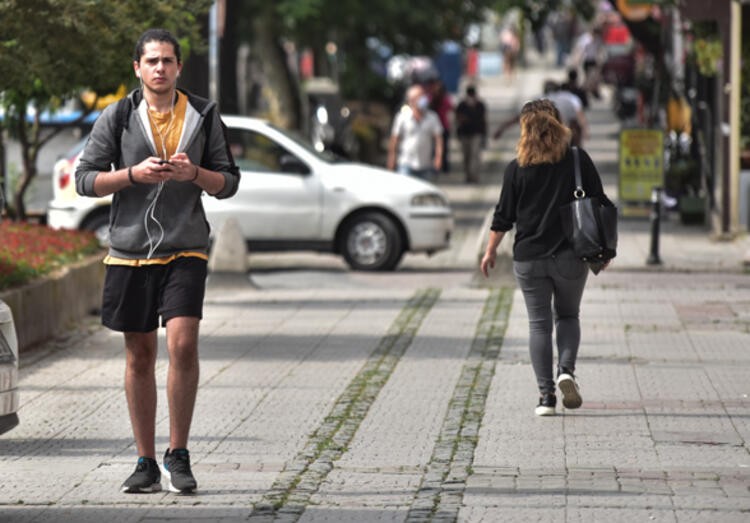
<point x="715" y="97"/>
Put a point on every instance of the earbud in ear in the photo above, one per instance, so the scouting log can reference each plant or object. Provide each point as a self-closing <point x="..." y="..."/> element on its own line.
<point x="137" y="74"/>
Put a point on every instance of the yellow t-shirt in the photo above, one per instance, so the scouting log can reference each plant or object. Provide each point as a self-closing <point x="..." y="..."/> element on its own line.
<point x="167" y="129"/>
<point x="114" y="260"/>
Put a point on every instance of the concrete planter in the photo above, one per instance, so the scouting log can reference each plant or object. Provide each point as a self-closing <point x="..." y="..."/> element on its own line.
<point x="46" y="307"/>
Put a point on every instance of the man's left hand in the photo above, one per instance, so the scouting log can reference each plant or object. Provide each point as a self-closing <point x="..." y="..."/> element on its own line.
<point x="181" y="168"/>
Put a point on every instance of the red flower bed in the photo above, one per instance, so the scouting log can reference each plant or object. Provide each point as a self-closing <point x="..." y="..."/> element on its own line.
<point x="29" y="250"/>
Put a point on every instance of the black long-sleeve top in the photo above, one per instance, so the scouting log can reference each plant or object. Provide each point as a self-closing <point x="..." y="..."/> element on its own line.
<point x="531" y="197"/>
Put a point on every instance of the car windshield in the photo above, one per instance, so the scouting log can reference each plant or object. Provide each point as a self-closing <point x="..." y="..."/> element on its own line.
<point x="326" y="156"/>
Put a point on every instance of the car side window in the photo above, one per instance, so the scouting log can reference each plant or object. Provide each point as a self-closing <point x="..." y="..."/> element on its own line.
<point x="254" y="151"/>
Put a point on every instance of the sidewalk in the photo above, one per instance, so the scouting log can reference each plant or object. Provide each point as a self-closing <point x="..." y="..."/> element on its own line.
<point x="409" y="398"/>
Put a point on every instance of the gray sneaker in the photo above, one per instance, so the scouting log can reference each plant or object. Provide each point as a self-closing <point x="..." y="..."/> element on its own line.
<point x="177" y="470"/>
<point x="146" y="477"/>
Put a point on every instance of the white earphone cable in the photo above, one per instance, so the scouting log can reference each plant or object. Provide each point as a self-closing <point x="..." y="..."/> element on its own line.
<point x="150" y="210"/>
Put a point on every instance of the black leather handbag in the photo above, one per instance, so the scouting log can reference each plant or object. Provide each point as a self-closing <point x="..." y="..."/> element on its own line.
<point x="589" y="225"/>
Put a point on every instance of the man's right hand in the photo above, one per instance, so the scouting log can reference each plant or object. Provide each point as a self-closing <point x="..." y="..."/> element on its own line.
<point x="488" y="262"/>
<point x="152" y="170"/>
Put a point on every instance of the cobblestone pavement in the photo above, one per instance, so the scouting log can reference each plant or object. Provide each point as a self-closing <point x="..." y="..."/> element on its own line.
<point x="409" y="397"/>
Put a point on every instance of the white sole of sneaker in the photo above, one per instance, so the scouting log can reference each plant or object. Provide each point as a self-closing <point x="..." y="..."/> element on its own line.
<point x="172" y="488"/>
<point x="571" y="397"/>
<point x="156" y="487"/>
<point x="544" y="411"/>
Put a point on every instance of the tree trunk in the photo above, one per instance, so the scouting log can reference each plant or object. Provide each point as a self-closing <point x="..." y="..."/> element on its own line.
<point x="31" y="141"/>
<point x="281" y="89"/>
<point x="228" y="62"/>
<point x="29" y="153"/>
<point x="3" y="172"/>
<point x="24" y="183"/>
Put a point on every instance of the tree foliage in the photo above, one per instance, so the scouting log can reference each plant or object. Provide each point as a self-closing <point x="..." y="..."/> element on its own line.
<point x="414" y="27"/>
<point x="537" y="11"/>
<point x="51" y="50"/>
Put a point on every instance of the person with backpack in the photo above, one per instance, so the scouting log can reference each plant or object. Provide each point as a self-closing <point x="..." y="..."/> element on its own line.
<point x="156" y="151"/>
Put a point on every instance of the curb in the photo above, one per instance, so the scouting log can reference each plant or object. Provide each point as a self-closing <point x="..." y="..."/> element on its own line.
<point x="48" y="306"/>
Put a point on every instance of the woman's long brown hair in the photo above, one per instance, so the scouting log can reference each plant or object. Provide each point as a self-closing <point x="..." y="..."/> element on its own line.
<point x="544" y="138"/>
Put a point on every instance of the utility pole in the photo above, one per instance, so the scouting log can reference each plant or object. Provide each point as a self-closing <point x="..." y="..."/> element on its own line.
<point x="213" y="55"/>
<point x="215" y="31"/>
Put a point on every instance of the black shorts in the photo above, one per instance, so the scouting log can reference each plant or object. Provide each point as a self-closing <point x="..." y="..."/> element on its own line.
<point x="135" y="297"/>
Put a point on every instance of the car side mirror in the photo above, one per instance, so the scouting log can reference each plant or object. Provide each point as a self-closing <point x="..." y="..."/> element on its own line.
<point x="291" y="164"/>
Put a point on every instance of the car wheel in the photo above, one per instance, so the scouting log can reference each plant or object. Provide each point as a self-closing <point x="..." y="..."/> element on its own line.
<point x="99" y="225"/>
<point x="372" y="242"/>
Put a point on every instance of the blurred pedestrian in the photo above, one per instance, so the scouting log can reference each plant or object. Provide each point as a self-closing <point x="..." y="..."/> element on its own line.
<point x="551" y="277"/>
<point x="442" y="105"/>
<point x="569" y="106"/>
<point x="472" y="62"/>
<point x="589" y="55"/>
<point x="416" y="143"/>
<point x="571" y="110"/>
<point x="573" y="86"/>
<point x="157" y="261"/>
<point x="564" y="25"/>
<point x="510" y="46"/>
<point x="471" y="129"/>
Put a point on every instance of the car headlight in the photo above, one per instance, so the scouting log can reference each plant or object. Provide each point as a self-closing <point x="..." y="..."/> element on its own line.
<point x="430" y="199"/>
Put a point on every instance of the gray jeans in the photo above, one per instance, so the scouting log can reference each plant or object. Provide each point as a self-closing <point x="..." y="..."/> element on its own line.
<point x="552" y="289"/>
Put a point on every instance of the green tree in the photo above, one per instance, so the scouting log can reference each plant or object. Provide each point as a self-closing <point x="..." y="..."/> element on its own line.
<point x="414" y="27"/>
<point x="536" y="12"/>
<point x="54" y="49"/>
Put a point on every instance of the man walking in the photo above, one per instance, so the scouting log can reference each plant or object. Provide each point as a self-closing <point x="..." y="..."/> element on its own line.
<point x="167" y="146"/>
<point x="471" y="128"/>
<point x="416" y="137"/>
<point x="571" y="111"/>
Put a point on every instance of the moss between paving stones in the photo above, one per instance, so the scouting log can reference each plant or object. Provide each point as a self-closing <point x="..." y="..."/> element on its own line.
<point x="291" y="493"/>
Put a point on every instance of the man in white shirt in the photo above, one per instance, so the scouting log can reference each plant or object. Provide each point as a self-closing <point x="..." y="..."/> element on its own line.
<point x="416" y="144"/>
<point x="571" y="111"/>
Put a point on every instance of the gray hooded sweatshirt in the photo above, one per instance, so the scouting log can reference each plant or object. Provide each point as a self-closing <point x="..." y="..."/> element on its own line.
<point x="178" y="210"/>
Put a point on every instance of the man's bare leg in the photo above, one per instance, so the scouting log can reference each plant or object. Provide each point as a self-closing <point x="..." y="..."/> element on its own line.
<point x="140" y="388"/>
<point x="182" y="377"/>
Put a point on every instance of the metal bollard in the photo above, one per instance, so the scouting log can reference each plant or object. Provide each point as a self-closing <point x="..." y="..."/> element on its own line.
<point x="653" y="257"/>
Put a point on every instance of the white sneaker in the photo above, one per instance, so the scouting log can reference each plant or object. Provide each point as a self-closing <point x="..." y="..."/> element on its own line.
<point x="546" y="405"/>
<point x="571" y="396"/>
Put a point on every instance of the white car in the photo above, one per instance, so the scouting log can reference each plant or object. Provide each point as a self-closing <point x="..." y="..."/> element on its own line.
<point x="8" y="370"/>
<point x="68" y="210"/>
<point x="291" y="197"/>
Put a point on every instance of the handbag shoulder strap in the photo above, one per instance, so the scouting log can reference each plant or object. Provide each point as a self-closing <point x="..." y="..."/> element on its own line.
<point x="578" y="192"/>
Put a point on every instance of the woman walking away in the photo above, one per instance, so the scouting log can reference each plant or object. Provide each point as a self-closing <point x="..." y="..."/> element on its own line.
<point x="551" y="277"/>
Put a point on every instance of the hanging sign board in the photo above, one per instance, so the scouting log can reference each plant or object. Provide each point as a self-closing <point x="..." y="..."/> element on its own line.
<point x="641" y="169"/>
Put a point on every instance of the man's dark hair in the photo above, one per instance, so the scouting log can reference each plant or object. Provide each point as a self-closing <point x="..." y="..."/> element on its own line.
<point x="471" y="91"/>
<point x="156" y="35"/>
<point x="572" y="75"/>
